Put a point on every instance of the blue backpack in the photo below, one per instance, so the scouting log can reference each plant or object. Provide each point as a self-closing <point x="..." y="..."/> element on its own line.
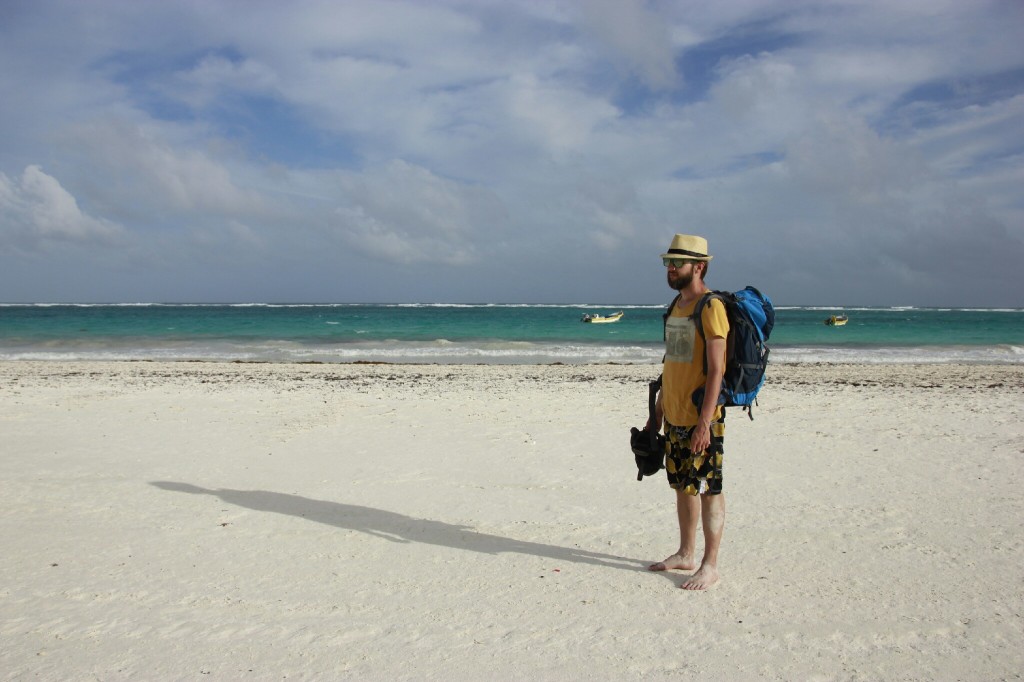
<point x="751" y="318"/>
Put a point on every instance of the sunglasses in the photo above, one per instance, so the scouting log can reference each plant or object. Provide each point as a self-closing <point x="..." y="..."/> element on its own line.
<point x="676" y="262"/>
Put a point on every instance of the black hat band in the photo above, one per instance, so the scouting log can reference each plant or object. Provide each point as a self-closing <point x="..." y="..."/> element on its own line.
<point x="684" y="252"/>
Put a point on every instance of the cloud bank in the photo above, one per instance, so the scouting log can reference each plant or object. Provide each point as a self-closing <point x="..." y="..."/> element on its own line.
<point x="833" y="153"/>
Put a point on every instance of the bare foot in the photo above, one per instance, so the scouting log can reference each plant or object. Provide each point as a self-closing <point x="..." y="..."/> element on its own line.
<point x="703" y="579"/>
<point x="674" y="562"/>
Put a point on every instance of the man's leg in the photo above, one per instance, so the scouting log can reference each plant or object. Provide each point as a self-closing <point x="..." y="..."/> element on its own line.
<point x="688" y="509"/>
<point x="713" y="512"/>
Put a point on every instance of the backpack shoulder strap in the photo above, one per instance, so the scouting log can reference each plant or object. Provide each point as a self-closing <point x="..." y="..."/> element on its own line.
<point x="665" y="315"/>
<point x="698" y="311"/>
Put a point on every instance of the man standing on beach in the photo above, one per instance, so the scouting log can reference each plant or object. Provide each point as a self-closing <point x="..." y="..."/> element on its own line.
<point x="694" y="434"/>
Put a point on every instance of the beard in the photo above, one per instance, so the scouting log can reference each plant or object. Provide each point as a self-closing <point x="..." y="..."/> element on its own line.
<point x="679" y="281"/>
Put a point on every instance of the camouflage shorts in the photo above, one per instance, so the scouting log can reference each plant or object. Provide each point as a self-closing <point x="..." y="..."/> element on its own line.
<point x="694" y="474"/>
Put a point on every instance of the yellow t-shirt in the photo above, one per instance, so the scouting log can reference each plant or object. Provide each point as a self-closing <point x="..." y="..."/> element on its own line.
<point x="684" y="359"/>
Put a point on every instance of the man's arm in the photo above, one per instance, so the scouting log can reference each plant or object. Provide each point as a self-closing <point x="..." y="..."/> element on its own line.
<point x="700" y="439"/>
<point x="659" y="414"/>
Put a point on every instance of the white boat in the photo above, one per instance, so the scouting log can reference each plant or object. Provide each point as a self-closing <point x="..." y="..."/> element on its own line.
<point x="837" y="320"/>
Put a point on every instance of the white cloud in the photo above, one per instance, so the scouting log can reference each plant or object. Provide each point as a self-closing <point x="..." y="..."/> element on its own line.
<point x="214" y="74"/>
<point x="403" y="213"/>
<point x="636" y="37"/>
<point x="958" y="140"/>
<point x="157" y="166"/>
<point x="555" y="118"/>
<point x="35" y="209"/>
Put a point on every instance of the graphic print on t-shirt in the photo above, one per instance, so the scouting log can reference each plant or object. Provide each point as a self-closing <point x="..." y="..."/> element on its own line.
<point x="680" y="333"/>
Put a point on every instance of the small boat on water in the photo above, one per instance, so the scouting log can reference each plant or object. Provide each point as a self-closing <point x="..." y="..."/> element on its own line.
<point x="836" y="320"/>
<point x="601" y="319"/>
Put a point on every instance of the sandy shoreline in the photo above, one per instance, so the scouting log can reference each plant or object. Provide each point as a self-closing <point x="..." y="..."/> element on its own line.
<point x="263" y="521"/>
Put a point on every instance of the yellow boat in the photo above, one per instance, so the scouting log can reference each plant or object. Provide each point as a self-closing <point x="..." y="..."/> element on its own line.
<point x="837" y="320"/>
<point x="602" y="319"/>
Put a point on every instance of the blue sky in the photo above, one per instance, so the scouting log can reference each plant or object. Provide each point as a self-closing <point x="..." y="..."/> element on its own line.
<point x="832" y="152"/>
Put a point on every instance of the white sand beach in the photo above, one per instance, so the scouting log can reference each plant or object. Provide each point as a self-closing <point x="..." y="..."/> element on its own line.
<point x="382" y="522"/>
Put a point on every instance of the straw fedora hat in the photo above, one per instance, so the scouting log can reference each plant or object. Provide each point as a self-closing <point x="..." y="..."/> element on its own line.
<point x="689" y="247"/>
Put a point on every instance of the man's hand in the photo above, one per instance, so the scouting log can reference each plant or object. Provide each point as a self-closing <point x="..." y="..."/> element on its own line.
<point x="700" y="437"/>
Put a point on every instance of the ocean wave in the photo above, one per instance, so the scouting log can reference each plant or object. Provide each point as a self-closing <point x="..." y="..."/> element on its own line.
<point x="995" y="355"/>
<point x="616" y="306"/>
<point x="446" y="351"/>
<point x="538" y="306"/>
<point x="584" y="306"/>
<point x="440" y="350"/>
<point x="894" y="309"/>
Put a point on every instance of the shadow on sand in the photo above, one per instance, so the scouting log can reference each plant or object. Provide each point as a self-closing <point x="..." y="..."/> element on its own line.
<point x="397" y="527"/>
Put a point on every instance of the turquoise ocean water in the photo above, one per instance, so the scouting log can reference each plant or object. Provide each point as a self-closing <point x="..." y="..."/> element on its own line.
<point x="489" y="334"/>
